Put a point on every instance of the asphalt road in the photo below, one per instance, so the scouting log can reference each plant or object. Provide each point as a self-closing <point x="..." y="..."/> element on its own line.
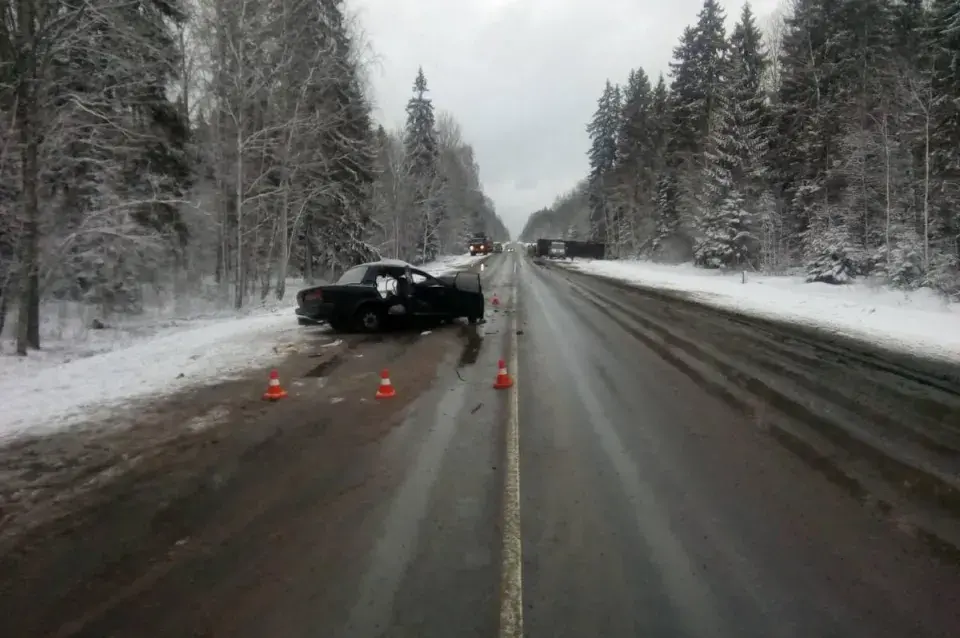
<point x="653" y="508"/>
<point x="607" y="494"/>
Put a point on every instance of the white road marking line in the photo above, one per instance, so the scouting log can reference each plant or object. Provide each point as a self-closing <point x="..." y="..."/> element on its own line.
<point x="511" y="586"/>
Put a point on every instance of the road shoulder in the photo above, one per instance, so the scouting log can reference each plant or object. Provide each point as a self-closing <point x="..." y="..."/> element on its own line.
<point x="184" y="473"/>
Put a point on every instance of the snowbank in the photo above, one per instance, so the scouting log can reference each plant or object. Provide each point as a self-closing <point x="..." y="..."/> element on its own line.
<point x="446" y="263"/>
<point x="920" y="322"/>
<point x="66" y="331"/>
<point x="82" y="373"/>
<point x="45" y="397"/>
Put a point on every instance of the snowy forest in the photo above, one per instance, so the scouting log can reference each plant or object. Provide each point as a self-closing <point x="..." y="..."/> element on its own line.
<point x="826" y="140"/>
<point x="209" y="146"/>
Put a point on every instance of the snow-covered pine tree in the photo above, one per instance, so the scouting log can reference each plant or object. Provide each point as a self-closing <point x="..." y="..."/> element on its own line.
<point x="751" y="115"/>
<point x="682" y="151"/>
<point x="941" y="223"/>
<point x="351" y="146"/>
<point x="861" y="123"/>
<point x="635" y="163"/>
<point x="735" y="152"/>
<point x="117" y="162"/>
<point x="327" y="165"/>
<point x="602" y="157"/>
<point x="723" y="239"/>
<point x="665" y="220"/>
<point x="420" y="142"/>
<point x="864" y="90"/>
<point x="807" y="144"/>
<point x="698" y="75"/>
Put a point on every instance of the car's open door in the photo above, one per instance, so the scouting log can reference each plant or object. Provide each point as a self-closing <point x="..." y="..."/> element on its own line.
<point x="468" y="282"/>
<point x="470" y="300"/>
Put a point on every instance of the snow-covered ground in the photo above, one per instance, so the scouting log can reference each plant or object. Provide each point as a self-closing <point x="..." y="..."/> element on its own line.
<point x="82" y="372"/>
<point x="446" y="263"/>
<point x="920" y="322"/>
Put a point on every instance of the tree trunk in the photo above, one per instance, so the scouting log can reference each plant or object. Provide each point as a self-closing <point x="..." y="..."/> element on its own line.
<point x="886" y="184"/>
<point x="926" y="190"/>
<point x="308" y="250"/>
<point x="28" y="316"/>
<point x="284" y="251"/>
<point x="238" y="196"/>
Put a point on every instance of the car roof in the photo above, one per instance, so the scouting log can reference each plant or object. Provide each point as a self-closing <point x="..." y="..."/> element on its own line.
<point x="397" y="263"/>
<point x="390" y="263"/>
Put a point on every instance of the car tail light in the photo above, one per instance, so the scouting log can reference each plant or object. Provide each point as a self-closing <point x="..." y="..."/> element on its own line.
<point x="313" y="295"/>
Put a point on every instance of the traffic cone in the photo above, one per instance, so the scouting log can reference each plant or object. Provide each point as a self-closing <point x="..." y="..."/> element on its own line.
<point x="503" y="379"/>
<point x="496" y="300"/>
<point x="274" y="391"/>
<point x="385" y="391"/>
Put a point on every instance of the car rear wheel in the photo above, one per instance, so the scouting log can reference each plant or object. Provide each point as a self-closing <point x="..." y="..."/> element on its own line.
<point x="369" y="319"/>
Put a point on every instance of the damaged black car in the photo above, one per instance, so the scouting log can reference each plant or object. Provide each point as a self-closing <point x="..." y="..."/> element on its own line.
<point x="373" y="296"/>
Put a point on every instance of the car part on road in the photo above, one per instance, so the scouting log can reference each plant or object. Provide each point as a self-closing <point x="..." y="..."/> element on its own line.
<point x="274" y="391"/>
<point x="386" y="390"/>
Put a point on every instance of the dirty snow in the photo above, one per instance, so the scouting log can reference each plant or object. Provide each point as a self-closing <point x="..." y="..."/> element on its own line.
<point x="44" y="397"/>
<point x="447" y="263"/>
<point x="178" y="342"/>
<point x="920" y="322"/>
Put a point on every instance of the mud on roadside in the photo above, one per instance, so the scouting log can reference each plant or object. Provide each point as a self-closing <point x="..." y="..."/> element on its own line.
<point x="46" y="477"/>
<point x="100" y="512"/>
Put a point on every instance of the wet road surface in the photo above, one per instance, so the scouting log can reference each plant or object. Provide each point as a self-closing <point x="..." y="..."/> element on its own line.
<point x="651" y="508"/>
<point x="607" y="494"/>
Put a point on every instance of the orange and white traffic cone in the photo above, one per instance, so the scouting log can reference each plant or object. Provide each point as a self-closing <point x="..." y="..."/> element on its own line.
<point x="503" y="379"/>
<point x="385" y="391"/>
<point x="274" y="391"/>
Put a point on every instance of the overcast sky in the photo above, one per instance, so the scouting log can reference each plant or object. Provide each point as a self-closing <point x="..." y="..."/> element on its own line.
<point x="522" y="76"/>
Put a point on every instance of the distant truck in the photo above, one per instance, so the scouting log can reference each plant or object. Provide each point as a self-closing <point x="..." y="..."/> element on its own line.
<point x="497" y="247"/>
<point x="480" y="245"/>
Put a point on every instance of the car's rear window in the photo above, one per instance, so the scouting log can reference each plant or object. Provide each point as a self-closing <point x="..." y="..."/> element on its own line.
<point x="352" y="276"/>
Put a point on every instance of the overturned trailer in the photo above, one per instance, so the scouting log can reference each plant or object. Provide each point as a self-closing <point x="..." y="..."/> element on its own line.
<point x="574" y="248"/>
